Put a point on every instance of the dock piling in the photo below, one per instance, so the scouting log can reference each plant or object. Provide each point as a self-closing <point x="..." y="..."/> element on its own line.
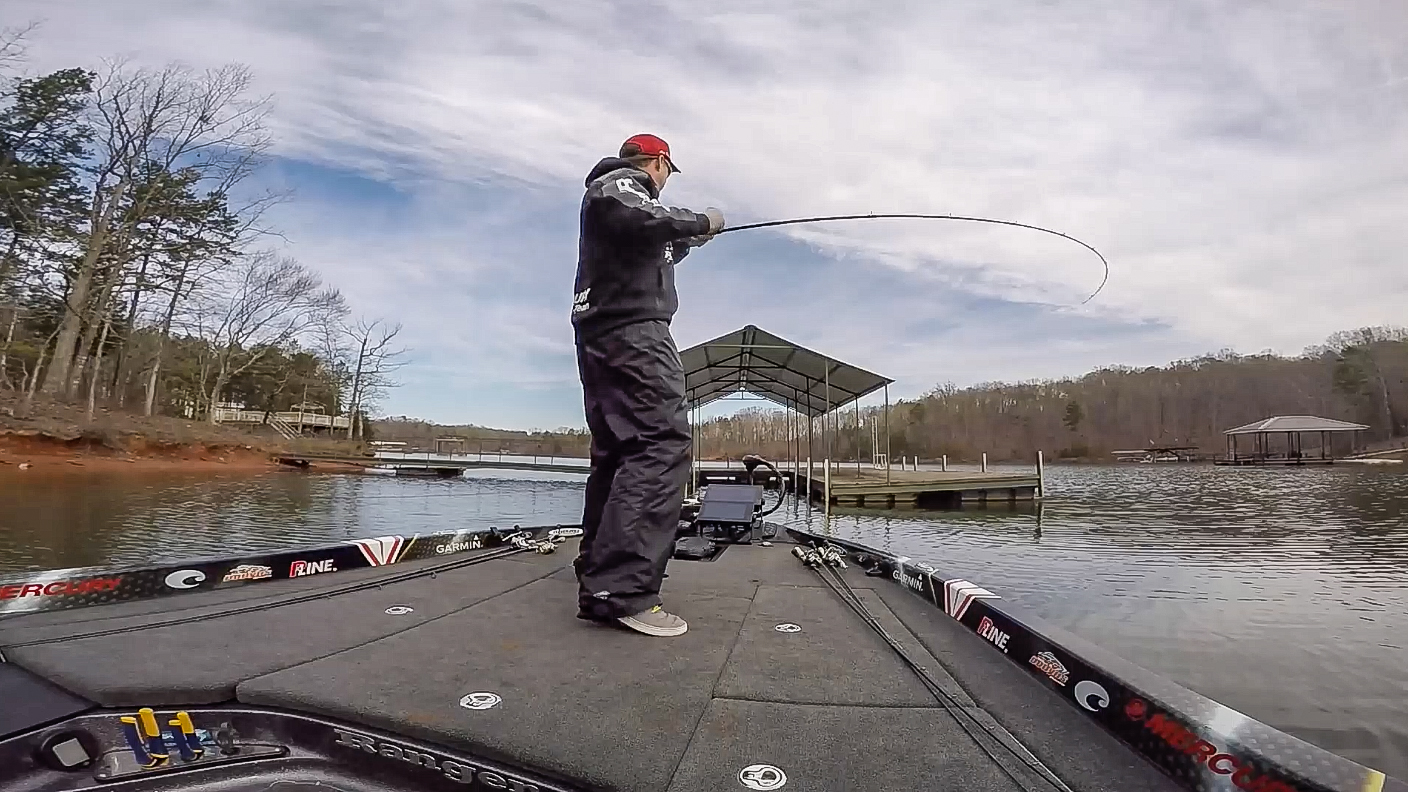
<point x="985" y="461"/>
<point x="1040" y="475"/>
<point x="943" y="466"/>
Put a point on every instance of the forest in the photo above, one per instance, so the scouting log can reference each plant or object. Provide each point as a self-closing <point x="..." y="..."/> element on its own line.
<point x="138" y="266"/>
<point x="1359" y="376"/>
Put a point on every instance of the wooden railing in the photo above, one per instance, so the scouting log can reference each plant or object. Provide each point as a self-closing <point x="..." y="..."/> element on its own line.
<point x="223" y="415"/>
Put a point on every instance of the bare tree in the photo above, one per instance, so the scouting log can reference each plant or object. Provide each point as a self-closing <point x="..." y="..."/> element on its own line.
<point x="267" y="303"/>
<point x="372" y="364"/>
<point x="150" y="122"/>
<point x="12" y="46"/>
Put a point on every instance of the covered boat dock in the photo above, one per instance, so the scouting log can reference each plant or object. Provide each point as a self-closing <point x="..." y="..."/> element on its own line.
<point x="814" y="388"/>
<point x="1291" y="451"/>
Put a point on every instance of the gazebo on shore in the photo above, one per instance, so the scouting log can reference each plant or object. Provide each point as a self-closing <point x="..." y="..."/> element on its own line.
<point x="1294" y="427"/>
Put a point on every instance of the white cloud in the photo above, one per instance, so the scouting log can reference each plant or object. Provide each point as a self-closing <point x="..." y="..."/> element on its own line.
<point x="1241" y="166"/>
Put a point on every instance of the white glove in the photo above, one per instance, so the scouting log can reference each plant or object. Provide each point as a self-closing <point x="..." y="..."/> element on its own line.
<point x="716" y="220"/>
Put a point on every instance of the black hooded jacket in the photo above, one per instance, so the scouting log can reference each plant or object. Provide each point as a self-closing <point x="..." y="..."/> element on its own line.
<point x="627" y="250"/>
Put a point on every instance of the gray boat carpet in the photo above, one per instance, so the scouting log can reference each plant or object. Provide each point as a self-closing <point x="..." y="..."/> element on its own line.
<point x="612" y="708"/>
<point x="1085" y="756"/>
<point x="823" y="699"/>
<point x="201" y="661"/>
<point x="835" y="748"/>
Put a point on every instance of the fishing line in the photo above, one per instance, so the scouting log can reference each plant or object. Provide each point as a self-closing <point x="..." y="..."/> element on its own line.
<point x="797" y="221"/>
<point x="824" y="559"/>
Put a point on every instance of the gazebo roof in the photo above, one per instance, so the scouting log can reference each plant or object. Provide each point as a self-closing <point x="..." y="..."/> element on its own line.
<point x="1296" y="423"/>
<point x="751" y="360"/>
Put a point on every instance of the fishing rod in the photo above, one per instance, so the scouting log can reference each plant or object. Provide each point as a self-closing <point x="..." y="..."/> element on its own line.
<point x="873" y="216"/>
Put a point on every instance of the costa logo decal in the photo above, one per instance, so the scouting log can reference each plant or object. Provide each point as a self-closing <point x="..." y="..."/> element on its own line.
<point x="382" y="550"/>
<point x="1179" y="738"/>
<point x="185" y="578"/>
<point x="997" y="637"/>
<point x="59" y="588"/>
<point x="301" y="568"/>
<point x="959" y="594"/>
<point x="1091" y="695"/>
<point x="453" y="769"/>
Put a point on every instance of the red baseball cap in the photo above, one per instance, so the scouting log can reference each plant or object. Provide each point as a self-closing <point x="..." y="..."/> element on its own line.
<point x="650" y="146"/>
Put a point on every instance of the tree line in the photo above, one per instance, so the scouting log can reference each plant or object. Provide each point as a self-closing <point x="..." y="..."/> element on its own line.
<point x="137" y="269"/>
<point x="1359" y="376"/>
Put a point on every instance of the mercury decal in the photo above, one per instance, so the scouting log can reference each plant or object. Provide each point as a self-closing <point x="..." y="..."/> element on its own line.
<point x="59" y="588"/>
<point x="1244" y="775"/>
<point x="453" y="769"/>
<point x="997" y="637"/>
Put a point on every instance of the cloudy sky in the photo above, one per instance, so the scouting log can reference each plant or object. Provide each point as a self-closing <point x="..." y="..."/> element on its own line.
<point x="1243" y="166"/>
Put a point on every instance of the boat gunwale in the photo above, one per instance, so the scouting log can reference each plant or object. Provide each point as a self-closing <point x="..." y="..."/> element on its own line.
<point x="1169" y="725"/>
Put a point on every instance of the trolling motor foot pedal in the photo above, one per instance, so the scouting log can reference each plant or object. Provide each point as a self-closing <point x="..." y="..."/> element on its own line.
<point x="695" y="548"/>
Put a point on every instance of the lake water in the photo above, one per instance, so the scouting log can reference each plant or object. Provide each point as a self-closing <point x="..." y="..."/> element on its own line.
<point x="1280" y="593"/>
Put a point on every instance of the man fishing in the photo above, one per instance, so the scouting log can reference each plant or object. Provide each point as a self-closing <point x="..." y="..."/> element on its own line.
<point x="632" y="383"/>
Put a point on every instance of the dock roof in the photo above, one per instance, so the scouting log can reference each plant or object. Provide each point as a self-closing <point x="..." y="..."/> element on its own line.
<point x="751" y="360"/>
<point x="1296" y="423"/>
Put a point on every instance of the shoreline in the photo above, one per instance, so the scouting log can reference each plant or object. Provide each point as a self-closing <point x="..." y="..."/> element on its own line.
<point x="30" y="453"/>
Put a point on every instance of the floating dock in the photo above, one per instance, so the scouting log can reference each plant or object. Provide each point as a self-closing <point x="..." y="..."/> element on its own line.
<point x="871" y="487"/>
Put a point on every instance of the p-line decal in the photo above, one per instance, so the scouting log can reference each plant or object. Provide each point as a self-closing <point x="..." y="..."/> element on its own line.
<point x="381" y="550"/>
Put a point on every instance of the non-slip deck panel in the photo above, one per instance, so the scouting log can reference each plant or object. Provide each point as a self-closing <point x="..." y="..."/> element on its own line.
<point x="834" y="659"/>
<point x="26" y="701"/>
<point x="598" y="703"/>
<point x="1086" y="757"/>
<point x="27" y="627"/>
<point x="200" y="662"/>
<point x="837" y="748"/>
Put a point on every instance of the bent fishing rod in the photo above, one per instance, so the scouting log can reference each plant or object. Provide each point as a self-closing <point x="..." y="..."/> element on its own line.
<point x="800" y="220"/>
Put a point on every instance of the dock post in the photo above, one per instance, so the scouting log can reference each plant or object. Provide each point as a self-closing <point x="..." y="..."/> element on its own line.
<point x="1040" y="475"/>
<point x="944" y="464"/>
<point x="826" y="488"/>
<point x="985" y="461"/>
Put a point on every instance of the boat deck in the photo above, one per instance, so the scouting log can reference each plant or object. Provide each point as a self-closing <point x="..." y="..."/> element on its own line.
<point x="598" y="707"/>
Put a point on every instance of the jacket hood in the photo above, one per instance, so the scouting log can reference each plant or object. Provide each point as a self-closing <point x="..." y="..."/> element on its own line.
<point x="609" y="164"/>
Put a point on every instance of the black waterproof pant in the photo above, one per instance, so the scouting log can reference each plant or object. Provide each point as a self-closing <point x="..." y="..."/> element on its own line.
<point x="633" y="389"/>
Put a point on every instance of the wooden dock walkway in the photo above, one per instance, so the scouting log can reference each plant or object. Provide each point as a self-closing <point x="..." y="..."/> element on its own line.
<point x="866" y="486"/>
<point x="869" y="487"/>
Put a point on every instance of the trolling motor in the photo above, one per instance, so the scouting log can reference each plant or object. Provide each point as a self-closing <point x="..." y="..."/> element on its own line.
<point x="729" y="514"/>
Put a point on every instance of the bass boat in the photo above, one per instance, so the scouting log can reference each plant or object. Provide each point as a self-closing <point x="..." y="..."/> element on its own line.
<point x="455" y="661"/>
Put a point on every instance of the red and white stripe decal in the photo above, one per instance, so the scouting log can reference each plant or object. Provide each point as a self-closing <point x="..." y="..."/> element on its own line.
<point x="382" y="550"/>
<point x="959" y="594"/>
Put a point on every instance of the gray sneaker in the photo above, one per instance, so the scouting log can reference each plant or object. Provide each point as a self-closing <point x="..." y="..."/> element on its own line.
<point x="655" y="622"/>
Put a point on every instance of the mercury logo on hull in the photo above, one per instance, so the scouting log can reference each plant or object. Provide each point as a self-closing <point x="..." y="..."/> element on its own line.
<point x="453" y="769"/>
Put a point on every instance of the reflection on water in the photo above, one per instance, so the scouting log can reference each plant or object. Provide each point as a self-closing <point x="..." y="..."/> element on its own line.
<point x="1281" y="593"/>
